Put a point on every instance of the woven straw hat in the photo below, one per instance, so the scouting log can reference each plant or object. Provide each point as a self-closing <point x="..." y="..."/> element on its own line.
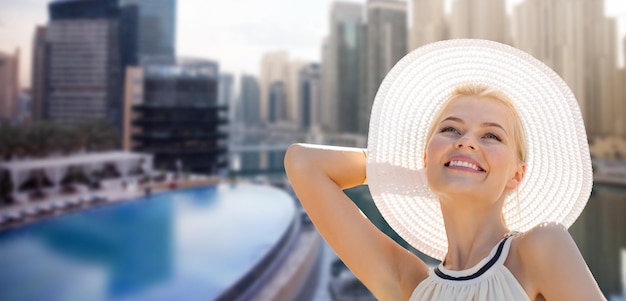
<point x="558" y="176"/>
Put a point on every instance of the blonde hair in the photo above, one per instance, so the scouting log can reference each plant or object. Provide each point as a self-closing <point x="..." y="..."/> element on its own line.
<point x="485" y="91"/>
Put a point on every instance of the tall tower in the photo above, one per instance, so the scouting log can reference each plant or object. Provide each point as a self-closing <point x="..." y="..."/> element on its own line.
<point x="274" y="68"/>
<point x="428" y="24"/>
<point x="38" y="73"/>
<point x="83" y="67"/>
<point x="250" y="99"/>
<point x="9" y="85"/>
<point x="386" y="44"/>
<point x="343" y="63"/>
<point x="309" y="97"/>
<point x="157" y="30"/>
<point x="577" y="41"/>
<point x="328" y="119"/>
<point x="480" y="19"/>
<point x="293" y="96"/>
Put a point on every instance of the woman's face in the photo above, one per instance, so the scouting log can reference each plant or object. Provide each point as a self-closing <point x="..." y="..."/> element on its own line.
<point x="472" y="152"/>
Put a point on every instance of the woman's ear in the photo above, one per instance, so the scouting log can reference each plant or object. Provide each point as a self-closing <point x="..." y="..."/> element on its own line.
<point x="424" y="159"/>
<point x="517" y="178"/>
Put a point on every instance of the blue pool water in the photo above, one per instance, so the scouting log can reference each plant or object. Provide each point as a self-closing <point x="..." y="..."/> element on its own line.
<point x="185" y="245"/>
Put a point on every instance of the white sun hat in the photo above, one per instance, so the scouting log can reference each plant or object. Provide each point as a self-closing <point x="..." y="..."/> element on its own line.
<point x="558" y="178"/>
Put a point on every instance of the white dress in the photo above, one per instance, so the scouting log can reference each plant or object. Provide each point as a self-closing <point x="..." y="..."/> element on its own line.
<point x="489" y="279"/>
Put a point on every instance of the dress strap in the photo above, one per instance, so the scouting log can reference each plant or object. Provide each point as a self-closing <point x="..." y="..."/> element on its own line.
<point x="508" y="238"/>
<point x="498" y="258"/>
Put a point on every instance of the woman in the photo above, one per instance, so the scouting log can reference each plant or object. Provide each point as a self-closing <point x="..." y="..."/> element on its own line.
<point x="477" y="156"/>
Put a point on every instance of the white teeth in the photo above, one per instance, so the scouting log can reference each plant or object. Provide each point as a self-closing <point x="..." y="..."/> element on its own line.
<point x="464" y="164"/>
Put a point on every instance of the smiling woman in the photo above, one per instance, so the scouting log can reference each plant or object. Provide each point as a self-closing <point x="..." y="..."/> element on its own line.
<point x="455" y="127"/>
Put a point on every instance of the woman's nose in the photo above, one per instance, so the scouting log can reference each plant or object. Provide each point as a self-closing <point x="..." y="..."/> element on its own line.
<point x="465" y="141"/>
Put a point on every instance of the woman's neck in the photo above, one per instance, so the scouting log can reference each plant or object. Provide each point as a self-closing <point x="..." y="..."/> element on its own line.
<point x="472" y="232"/>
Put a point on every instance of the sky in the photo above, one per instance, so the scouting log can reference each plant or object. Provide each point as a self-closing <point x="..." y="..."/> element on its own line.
<point x="236" y="33"/>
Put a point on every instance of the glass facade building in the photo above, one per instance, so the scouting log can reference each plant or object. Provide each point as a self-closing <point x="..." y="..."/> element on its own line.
<point x="309" y="91"/>
<point x="80" y="58"/>
<point x="156" y="30"/>
<point x="180" y="119"/>
<point x="277" y="102"/>
<point x="343" y="60"/>
<point x="386" y="43"/>
<point x="250" y="98"/>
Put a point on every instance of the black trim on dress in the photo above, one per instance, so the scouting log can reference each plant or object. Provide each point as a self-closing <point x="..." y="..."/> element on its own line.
<point x="482" y="270"/>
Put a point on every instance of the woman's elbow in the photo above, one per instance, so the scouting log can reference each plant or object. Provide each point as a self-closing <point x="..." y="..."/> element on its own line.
<point x="294" y="156"/>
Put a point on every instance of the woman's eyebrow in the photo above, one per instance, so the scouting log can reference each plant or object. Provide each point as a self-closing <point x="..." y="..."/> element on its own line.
<point x="484" y="124"/>
<point x="488" y="124"/>
<point x="457" y="119"/>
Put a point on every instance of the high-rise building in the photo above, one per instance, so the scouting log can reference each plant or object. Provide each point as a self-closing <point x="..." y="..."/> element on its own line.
<point x="328" y="105"/>
<point x="479" y="19"/>
<point x="343" y="63"/>
<point x="277" y="102"/>
<point x="249" y="101"/>
<point x="293" y="86"/>
<point x="226" y="95"/>
<point x="225" y="89"/>
<point x="386" y="45"/>
<point x="274" y="68"/>
<point x="577" y="41"/>
<point x="9" y="85"/>
<point x="309" y="97"/>
<point x="156" y="30"/>
<point x="176" y="115"/>
<point x="428" y="23"/>
<point x="38" y="73"/>
<point x="79" y="60"/>
<point x="23" y="114"/>
<point x="83" y="70"/>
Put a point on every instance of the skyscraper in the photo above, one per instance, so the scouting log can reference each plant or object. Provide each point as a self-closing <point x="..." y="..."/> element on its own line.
<point x="178" y="117"/>
<point x="479" y="19"/>
<point x="9" y="85"/>
<point x="328" y="105"/>
<point x="157" y="30"/>
<point x="83" y="67"/>
<point x="226" y="95"/>
<point x="293" y="86"/>
<point x="277" y="102"/>
<point x="79" y="60"/>
<point x="428" y="24"/>
<point x="249" y="101"/>
<point x="386" y="44"/>
<point x="225" y="89"/>
<point x="38" y="74"/>
<point x="309" y="97"/>
<point x="343" y="63"/>
<point x="577" y="41"/>
<point x="274" y="68"/>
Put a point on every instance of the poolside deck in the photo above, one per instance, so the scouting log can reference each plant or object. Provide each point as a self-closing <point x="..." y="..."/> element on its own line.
<point x="26" y="211"/>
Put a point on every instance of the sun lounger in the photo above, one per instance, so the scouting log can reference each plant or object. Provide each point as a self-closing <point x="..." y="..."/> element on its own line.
<point x="29" y="211"/>
<point x="12" y="216"/>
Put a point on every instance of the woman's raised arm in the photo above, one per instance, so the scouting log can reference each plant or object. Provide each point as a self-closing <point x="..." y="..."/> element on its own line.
<point x="318" y="175"/>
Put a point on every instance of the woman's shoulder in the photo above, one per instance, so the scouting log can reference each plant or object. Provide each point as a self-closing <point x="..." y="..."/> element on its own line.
<point x="551" y="265"/>
<point x="546" y="251"/>
<point x="535" y="249"/>
<point x="543" y="240"/>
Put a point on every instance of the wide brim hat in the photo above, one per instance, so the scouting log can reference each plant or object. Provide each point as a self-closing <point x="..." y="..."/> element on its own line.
<point x="558" y="177"/>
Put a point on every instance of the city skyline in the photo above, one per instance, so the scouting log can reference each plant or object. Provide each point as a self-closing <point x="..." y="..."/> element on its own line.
<point x="237" y="43"/>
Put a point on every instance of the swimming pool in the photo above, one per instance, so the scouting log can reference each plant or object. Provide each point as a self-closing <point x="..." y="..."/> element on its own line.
<point x="184" y="245"/>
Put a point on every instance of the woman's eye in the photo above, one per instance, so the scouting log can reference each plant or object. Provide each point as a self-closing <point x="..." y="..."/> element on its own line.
<point x="449" y="129"/>
<point x="492" y="136"/>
